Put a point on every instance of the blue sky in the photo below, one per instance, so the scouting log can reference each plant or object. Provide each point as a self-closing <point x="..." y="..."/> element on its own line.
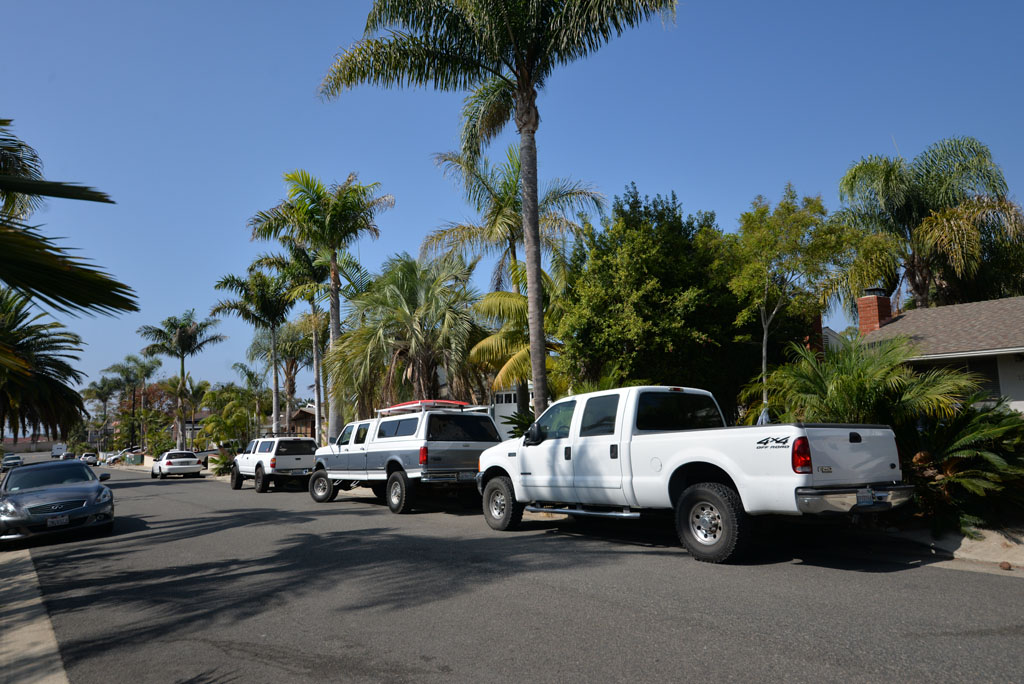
<point x="188" y="113"/>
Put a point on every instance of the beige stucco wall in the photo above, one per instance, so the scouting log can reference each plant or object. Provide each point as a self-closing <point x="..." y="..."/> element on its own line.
<point x="1011" y="379"/>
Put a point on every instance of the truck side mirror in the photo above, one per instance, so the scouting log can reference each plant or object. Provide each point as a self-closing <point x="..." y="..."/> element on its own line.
<point x="534" y="435"/>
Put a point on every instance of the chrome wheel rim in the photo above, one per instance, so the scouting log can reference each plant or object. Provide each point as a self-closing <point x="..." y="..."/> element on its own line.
<point x="396" y="493"/>
<point x="705" y="523"/>
<point x="320" y="486"/>
<point x="497" y="505"/>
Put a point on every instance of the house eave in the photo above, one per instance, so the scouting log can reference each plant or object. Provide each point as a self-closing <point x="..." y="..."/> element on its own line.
<point x="969" y="354"/>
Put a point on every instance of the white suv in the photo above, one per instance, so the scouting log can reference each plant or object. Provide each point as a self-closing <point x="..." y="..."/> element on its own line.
<point x="272" y="459"/>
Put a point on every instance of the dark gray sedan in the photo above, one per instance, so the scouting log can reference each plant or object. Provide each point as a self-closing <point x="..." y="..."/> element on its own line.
<point x="54" y="497"/>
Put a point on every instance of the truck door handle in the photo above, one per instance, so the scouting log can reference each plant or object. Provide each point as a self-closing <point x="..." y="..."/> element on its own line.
<point x="614" y="450"/>
<point x="568" y="453"/>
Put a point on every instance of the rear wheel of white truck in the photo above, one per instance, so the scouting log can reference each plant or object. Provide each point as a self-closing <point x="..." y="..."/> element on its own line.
<point x="236" y="477"/>
<point x="399" y="492"/>
<point x="711" y="522"/>
<point x="501" y="510"/>
<point x="320" y="487"/>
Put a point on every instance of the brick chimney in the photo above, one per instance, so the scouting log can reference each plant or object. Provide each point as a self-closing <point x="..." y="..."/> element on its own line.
<point x="873" y="310"/>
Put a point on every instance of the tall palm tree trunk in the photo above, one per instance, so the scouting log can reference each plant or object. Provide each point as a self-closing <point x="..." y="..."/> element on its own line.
<point x="527" y="119"/>
<point x="276" y="399"/>
<point x="180" y="418"/>
<point x="316" y="383"/>
<point x="334" y="418"/>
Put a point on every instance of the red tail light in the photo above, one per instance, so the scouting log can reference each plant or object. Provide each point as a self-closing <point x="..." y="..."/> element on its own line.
<point x="273" y="462"/>
<point x="801" y="456"/>
<point x="423" y="455"/>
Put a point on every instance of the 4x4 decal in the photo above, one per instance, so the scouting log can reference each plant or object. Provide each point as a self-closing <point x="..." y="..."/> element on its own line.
<point x="773" y="443"/>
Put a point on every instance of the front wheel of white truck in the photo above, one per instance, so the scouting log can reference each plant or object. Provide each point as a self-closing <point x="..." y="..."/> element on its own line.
<point x="501" y="510"/>
<point x="711" y="522"/>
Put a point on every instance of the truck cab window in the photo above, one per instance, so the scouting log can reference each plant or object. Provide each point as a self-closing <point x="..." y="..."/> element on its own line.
<point x="556" y="421"/>
<point x="677" y="411"/>
<point x="361" y="433"/>
<point x="599" y="416"/>
<point x="345" y="435"/>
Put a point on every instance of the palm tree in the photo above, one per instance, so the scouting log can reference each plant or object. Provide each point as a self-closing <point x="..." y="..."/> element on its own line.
<point x="926" y="222"/>
<point x="324" y="218"/>
<point x="101" y="391"/>
<point x="862" y="383"/>
<point x="508" y="348"/>
<point x="253" y="394"/>
<point x="306" y="271"/>
<point x="416" y="318"/>
<point x="35" y="265"/>
<point x="131" y="375"/>
<point x="37" y="394"/>
<point x="503" y="53"/>
<point x="496" y="194"/>
<point x="179" y="337"/>
<point x="194" y="393"/>
<point x="262" y="302"/>
<point x="295" y="353"/>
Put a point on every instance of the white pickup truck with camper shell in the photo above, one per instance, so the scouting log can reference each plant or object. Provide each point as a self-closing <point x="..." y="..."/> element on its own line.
<point x="423" y="443"/>
<point x="617" y="453"/>
<point x="273" y="459"/>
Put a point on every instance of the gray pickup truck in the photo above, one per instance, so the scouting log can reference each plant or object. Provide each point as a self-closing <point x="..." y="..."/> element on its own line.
<point x="409" y="446"/>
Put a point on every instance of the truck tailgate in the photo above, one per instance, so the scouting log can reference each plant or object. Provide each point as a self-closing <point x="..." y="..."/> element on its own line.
<point x="852" y="454"/>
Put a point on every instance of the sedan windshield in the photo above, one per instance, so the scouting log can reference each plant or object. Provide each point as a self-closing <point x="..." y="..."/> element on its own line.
<point x="71" y="473"/>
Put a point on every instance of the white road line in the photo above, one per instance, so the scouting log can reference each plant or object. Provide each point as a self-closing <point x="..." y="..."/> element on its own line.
<point x="28" y="646"/>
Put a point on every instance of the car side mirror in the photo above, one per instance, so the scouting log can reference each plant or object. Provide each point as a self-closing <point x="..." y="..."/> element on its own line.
<point x="534" y="435"/>
<point x="104" y="477"/>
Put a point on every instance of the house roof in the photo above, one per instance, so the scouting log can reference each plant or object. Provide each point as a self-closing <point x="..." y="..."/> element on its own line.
<point x="995" y="326"/>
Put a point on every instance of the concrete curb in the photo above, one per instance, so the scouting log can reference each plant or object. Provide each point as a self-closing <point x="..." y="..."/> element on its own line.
<point x="28" y="645"/>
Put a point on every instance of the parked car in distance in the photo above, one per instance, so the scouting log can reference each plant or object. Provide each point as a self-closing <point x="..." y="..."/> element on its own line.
<point x="69" y="456"/>
<point x="184" y="463"/>
<point x="10" y="461"/>
<point x="57" y="449"/>
<point x="89" y="459"/>
<point x="43" y="498"/>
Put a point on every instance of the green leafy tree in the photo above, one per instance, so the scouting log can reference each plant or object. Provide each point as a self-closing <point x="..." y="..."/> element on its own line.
<point x="942" y="224"/>
<point x="329" y="219"/>
<point x="503" y="53"/>
<point x="179" y="337"/>
<point x="785" y="254"/>
<point x="132" y="376"/>
<point x="262" y="302"/>
<point x="37" y="396"/>
<point x="101" y="391"/>
<point x="647" y="298"/>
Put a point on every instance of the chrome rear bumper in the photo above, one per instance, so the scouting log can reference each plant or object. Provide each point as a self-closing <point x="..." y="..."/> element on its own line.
<point x="867" y="499"/>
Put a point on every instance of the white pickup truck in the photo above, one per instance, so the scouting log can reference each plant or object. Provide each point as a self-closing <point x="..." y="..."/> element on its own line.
<point x="616" y="453"/>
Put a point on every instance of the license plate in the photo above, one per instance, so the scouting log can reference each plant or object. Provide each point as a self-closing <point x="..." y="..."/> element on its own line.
<point x="57" y="521"/>
<point x="865" y="496"/>
<point x="467" y="476"/>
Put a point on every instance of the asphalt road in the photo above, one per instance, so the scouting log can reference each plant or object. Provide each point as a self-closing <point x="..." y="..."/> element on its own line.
<point x="200" y="583"/>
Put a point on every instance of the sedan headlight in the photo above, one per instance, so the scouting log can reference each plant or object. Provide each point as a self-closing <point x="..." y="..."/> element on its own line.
<point x="105" y="496"/>
<point x="8" y="508"/>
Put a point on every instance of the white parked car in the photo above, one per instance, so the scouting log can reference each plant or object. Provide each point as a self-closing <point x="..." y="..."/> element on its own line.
<point x="89" y="459"/>
<point x="184" y="463"/>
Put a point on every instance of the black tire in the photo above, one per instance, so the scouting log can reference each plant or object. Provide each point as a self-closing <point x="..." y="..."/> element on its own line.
<point x="163" y="475"/>
<point x="399" y="492"/>
<point x="152" y="475"/>
<point x="378" y="489"/>
<point x="321" y="489"/>
<point x="261" y="481"/>
<point x="711" y="523"/>
<point x="501" y="510"/>
<point x="236" y="477"/>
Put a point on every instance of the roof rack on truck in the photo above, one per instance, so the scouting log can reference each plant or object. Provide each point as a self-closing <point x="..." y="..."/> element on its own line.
<point x="422" y="405"/>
